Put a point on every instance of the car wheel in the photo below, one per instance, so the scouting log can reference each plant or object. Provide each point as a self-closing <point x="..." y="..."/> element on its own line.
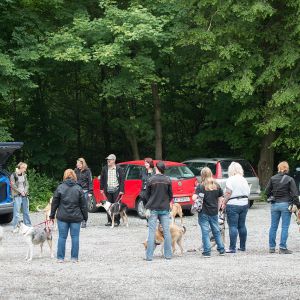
<point x="7" y="218"/>
<point x="251" y="203"/>
<point x="140" y="208"/>
<point x="92" y="208"/>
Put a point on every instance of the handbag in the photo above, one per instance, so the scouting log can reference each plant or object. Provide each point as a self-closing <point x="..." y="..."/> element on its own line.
<point x="198" y="204"/>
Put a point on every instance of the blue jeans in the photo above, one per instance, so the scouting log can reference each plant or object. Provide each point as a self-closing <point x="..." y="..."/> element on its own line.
<point x="164" y="218"/>
<point x="279" y="210"/>
<point x="236" y="219"/>
<point x="63" y="229"/>
<point x="206" y="222"/>
<point x="20" y="201"/>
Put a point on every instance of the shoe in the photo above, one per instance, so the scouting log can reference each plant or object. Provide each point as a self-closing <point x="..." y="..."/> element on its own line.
<point x="206" y="255"/>
<point x="108" y="224"/>
<point x="230" y="251"/>
<point x="60" y="261"/>
<point x="271" y="250"/>
<point x="241" y="249"/>
<point x="222" y="253"/>
<point x="83" y="224"/>
<point x="146" y="259"/>
<point x="16" y="230"/>
<point x="117" y="224"/>
<point x="285" y="251"/>
<point x="74" y="260"/>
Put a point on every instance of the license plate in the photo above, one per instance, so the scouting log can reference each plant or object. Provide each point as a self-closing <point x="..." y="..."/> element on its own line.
<point x="182" y="199"/>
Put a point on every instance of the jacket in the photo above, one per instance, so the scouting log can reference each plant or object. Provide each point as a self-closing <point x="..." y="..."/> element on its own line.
<point x="69" y="201"/>
<point x="13" y="184"/>
<point x="84" y="179"/>
<point x="283" y="189"/>
<point x="120" y="177"/>
<point x="159" y="192"/>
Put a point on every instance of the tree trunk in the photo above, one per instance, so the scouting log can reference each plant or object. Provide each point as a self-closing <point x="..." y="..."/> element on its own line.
<point x="134" y="144"/>
<point x="157" y="121"/>
<point x="266" y="160"/>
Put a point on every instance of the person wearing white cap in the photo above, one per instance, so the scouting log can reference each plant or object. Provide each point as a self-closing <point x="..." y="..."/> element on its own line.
<point x="112" y="184"/>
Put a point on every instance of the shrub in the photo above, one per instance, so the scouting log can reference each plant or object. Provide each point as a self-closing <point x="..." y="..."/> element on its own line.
<point x="41" y="189"/>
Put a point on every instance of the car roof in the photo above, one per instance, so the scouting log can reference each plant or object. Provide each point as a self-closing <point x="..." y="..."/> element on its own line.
<point x="215" y="159"/>
<point x="142" y="162"/>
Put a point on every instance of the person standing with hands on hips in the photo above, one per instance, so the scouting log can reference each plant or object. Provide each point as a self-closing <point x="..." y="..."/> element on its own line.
<point x="19" y="188"/>
<point x="84" y="179"/>
<point x="112" y="184"/>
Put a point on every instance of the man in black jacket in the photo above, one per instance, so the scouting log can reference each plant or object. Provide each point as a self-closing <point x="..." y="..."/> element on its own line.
<point x="112" y="184"/>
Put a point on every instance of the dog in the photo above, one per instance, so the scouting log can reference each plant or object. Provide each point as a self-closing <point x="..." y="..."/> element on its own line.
<point x="47" y="211"/>
<point x="177" y="233"/>
<point x="35" y="236"/>
<point x="176" y="210"/>
<point x="296" y="212"/>
<point x="221" y="219"/>
<point x="114" y="209"/>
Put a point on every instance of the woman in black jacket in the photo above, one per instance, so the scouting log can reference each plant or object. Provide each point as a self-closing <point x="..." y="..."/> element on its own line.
<point x="70" y="204"/>
<point x="284" y="191"/>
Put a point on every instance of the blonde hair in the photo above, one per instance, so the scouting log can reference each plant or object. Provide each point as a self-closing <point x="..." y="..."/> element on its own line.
<point x="235" y="168"/>
<point x="70" y="174"/>
<point x="207" y="179"/>
<point x="19" y="165"/>
<point x="84" y="164"/>
<point x="283" y="167"/>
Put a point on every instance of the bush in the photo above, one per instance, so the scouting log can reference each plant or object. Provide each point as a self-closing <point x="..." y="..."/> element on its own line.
<point x="41" y="189"/>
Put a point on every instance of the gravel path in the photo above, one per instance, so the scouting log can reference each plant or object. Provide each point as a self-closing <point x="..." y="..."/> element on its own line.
<point x="111" y="266"/>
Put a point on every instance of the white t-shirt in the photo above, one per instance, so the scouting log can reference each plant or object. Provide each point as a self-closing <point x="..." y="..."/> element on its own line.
<point x="239" y="187"/>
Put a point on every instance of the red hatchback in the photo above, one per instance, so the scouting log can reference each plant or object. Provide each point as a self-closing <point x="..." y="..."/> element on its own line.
<point x="183" y="185"/>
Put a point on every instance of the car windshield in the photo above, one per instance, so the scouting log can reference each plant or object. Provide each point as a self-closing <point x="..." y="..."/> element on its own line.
<point x="179" y="172"/>
<point x="248" y="171"/>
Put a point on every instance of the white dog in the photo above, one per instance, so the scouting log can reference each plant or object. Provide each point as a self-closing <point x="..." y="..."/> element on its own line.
<point x="35" y="236"/>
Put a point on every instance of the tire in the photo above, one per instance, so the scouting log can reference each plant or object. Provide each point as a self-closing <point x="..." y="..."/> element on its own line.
<point x="140" y="208"/>
<point x="251" y="203"/>
<point x="7" y="218"/>
<point x="92" y="208"/>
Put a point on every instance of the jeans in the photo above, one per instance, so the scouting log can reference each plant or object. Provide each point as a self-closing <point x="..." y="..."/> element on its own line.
<point x="206" y="222"/>
<point x="236" y="219"/>
<point x="18" y="202"/>
<point x="164" y="218"/>
<point x="279" y="210"/>
<point x="63" y="230"/>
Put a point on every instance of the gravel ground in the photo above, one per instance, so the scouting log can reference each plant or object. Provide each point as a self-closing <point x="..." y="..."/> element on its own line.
<point x="111" y="266"/>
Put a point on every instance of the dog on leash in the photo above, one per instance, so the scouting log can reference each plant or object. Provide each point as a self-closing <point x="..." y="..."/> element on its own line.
<point x="296" y="212"/>
<point x="35" y="236"/>
<point x="221" y="220"/>
<point x="177" y="233"/>
<point x="176" y="210"/>
<point x="47" y="211"/>
<point x="114" y="209"/>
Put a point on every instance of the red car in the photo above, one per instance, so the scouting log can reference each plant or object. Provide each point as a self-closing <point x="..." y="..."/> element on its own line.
<point x="183" y="185"/>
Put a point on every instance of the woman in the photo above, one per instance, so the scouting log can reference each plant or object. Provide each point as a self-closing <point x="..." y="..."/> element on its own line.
<point x="19" y="188"/>
<point x="84" y="179"/>
<point x="158" y="195"/>
<point x="208" y="217"/>
<point x="237" y="204"/>
<point x="283" y="188"/>
<point x="69" y="201"/>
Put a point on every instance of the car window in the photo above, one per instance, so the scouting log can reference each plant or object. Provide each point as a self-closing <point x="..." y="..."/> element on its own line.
<point x="248" y="171"/>
<point x="134" y="172"/>
<point x="212" y="167"/>
<point x="198" y="165"/>
<point x="179" y="172"/>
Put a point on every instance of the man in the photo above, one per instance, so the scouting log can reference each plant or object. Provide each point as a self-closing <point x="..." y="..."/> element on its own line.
<point x="112" y="184"/>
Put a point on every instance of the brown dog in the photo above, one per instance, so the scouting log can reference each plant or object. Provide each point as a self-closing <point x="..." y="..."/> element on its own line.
<point x="176" y="235"/>
<point x="176" y="210"/>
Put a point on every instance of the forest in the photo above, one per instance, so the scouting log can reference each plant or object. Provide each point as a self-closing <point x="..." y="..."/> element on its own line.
<point x="169" y="79"/>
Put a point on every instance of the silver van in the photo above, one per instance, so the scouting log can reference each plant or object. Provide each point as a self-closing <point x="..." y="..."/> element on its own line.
<point x="219" y="168"/>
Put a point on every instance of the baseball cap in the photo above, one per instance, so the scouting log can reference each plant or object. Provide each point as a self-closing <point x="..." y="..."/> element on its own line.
<point x="111" y="156"/>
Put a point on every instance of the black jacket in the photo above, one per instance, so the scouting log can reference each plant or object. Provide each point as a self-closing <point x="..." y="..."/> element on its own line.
<point x="69" y="201"/>
<point x="104" y="175"/>
<point x="283" y="190"/>
<point x="159" y="192"/>
<point x="84" y="179"/>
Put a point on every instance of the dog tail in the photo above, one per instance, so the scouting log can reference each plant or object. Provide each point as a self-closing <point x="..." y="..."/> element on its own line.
<point x="183" y="229"/>
<point x="40" y="209"/>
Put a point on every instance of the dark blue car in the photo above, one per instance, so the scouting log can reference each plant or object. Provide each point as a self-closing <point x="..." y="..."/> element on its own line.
<point x="6" y="203"/>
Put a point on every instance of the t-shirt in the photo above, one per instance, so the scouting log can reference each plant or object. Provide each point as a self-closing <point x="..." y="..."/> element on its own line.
<point x="239" y="187"/>
<point x="210" y="200"/>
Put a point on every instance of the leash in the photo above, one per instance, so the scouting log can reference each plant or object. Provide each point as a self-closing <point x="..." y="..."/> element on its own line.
<point x="46" y="223"/>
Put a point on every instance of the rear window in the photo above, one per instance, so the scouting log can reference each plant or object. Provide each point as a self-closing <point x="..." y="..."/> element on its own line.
<point x="179" y="172"/>
<point x="248" y="171"/>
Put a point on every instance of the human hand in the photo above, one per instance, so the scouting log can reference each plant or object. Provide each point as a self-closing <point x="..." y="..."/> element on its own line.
<point x="121" y="193"/>
<point x="147" y="213"/>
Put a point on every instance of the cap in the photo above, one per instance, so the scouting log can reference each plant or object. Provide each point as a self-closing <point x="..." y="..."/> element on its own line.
<point x="160" y="166"/>
<point x="111" y="156"/>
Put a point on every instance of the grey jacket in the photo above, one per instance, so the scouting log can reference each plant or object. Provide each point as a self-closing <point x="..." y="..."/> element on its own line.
<point x="14" y="187"/>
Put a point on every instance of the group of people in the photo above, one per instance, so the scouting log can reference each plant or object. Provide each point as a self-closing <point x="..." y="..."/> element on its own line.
<point x="69" y="204"/>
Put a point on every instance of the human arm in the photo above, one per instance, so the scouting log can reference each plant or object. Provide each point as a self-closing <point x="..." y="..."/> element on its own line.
<point x="121" y="180"/>
<point x="269" y="188"/>
<point x="90" y="182"/>
<point x="83" y="205"/>
<point x="55" y="203"/>
<point x="13" y="183"/>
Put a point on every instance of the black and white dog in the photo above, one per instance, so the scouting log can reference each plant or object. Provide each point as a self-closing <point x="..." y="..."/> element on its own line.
<point x="36" y="236"/>
<point x="113" y="209"/>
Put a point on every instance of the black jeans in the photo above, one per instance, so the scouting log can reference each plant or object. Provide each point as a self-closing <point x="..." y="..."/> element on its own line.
<point x="112" y="198"/>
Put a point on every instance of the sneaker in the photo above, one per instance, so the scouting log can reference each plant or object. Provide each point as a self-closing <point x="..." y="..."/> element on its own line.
<point x="285" y="251"/>
<point x="230" y="251"/>
<point x="222" y="253"/>
<point x="271" y="250"/>
<point x="241" y="249"/>
<point x="108" y="224"/>
<point x="60" y="261"/>
<point x="74" y="260"/>
<point x="83" y="224"/>
<point x="206" y="255"/>
<point x="16" y="230"/>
